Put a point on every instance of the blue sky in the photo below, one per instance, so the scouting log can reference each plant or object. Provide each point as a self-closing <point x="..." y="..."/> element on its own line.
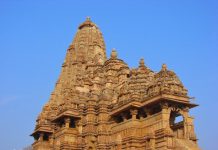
<point x="34" y="36"/>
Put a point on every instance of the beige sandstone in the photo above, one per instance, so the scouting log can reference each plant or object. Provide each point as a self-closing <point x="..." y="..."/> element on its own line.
<point x="101" y="103"/>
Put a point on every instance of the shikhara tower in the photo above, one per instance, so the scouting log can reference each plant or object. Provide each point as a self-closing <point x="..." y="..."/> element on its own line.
<point x="101" y="103"/>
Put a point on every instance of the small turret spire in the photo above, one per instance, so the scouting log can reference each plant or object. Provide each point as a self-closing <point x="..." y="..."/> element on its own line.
<point x="113" y="54"/>
<point x="164" y="67"/>
<point x="141" y="63"/>
<point x="88" y="18"/>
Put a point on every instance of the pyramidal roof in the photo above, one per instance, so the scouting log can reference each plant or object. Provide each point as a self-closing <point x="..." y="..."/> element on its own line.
<point x="85" y="54"/>
<point x="87" y="48"/>
<point x="88" y="80"/>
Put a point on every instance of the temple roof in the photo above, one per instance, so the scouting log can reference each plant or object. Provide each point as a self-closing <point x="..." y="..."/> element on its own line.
<point x="88" y="75"/>
<point x="88" y="44"/>
<point x="167" y="82"/>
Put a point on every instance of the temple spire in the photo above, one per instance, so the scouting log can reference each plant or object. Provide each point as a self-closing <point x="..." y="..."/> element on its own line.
<point x="142" y="62"/>
<point x="88" y="44"/>
<point x="88" y="18"/>
<point x="164" y="67"/>
<point x="113" y="54"/>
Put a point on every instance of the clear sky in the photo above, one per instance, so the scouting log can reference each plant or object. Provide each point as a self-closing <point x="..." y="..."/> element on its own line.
<point x="34" y="36"/>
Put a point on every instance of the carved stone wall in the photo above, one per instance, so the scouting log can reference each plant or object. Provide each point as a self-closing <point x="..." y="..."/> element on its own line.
<point x="101" y="103"/>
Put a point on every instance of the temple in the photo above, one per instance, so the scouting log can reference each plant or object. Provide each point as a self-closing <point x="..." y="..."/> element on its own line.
<point x="102" y="104"/>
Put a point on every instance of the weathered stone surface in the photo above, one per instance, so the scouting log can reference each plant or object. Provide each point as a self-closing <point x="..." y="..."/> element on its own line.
<point x="101" y="103"/>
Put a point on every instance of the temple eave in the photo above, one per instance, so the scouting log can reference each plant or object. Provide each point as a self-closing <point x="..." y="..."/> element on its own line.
<point x="46" y="129"/>
<point x="67" y="113"/>
<point x="152" y="101"/>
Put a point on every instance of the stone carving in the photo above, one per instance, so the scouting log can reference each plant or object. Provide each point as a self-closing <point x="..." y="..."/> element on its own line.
<point x="101" y="103"/>
<point x="166" y="82"/>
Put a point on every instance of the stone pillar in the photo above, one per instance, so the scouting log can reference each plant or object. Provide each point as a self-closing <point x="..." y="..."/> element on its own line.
<point x="103" y="127"/>
<point x="167" y="132"/>
<point x="147" y="111"/>
<point x="185" y="119"/>
<point x="89" y="127"/>
<point x="124" y="116"/>
<point x="41" y="136"/>
<point x="140" y="116"/>
<point x="134" y="112"/>
<point x="81" y="142"/>
<point x="165" y="112"/>
<point x="67" y="122"/>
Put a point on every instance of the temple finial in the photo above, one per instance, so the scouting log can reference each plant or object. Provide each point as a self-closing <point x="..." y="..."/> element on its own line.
<point x="141" y="62"/>
<point x="88" y="18"/>
<point x="114" y="54"/>
<point x="164" y="67"/>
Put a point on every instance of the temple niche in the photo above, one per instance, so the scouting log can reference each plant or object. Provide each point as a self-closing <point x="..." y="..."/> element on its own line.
<point x="99" y="103"/>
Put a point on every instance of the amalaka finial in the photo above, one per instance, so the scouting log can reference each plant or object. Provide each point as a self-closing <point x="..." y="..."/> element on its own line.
<point x="88" y="18"/>
<point x="164" y="67"/>
<point x="114" y="54"/>
<point x="141" y="62"/>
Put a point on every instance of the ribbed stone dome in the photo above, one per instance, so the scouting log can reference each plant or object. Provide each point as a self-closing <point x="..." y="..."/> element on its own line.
<point x="115" y="63"/>
<point x="167" y="82"/>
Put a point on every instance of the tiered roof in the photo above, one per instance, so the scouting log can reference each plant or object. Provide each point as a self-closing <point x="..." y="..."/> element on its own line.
<point x="88" y="75"/>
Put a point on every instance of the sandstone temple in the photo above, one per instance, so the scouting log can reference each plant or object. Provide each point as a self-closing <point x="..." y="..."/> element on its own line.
<point x="99" y="103"/>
